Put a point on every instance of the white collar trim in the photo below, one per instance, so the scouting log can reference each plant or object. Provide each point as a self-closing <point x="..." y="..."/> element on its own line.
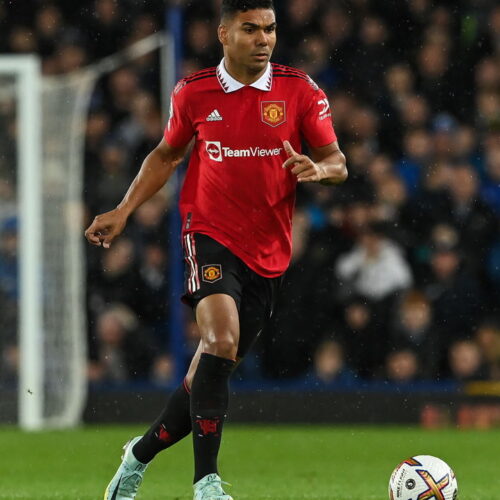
<point x="229" y="84"/>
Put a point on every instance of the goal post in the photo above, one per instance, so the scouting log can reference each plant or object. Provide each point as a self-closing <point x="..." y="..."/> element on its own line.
<point x="51" y="382"/>
<point x="25" y="71"/>
<point x="31" y="378"/>
<point x="49" y="119"/>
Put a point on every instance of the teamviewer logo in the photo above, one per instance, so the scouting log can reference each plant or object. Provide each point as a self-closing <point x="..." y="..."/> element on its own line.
<point x="214" y="150"/>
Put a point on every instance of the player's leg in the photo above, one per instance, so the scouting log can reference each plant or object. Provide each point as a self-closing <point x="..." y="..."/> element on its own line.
<point x="216" y="288"/>
<point x="218" y="320"/>
<point x="257" y="301"/>
<point x="174" y="422"/>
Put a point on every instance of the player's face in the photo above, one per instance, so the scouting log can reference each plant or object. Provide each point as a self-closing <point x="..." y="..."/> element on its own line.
<point x="249" y="38"/>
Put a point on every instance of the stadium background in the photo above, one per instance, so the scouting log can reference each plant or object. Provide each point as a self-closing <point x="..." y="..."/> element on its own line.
<point x="395" y="276"/>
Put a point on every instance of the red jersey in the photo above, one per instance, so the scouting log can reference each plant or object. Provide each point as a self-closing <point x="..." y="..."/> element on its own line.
<point x="236" y="190"/>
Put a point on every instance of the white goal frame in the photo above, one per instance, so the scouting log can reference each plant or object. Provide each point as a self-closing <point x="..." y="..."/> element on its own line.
<point x="27" y="71"/>
<point x="50" y="110"/>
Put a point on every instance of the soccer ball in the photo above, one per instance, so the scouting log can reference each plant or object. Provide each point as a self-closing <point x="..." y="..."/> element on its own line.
<point x="423" y="478"/>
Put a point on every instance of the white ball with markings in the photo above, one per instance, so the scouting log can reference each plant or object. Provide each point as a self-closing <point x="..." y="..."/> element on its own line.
<point x="423" y="478"/>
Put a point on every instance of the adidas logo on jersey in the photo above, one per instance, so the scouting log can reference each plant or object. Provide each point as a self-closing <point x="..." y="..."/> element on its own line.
<point x="214" y="116"/>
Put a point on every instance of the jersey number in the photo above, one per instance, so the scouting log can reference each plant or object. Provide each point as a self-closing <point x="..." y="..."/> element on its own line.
<point x="326" y="106"/>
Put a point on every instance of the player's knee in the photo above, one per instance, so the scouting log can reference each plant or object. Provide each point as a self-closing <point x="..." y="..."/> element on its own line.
<point x="224" y="346"/>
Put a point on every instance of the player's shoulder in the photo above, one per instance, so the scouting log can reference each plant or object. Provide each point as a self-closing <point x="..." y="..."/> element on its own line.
<point x="293" y="75"/>
<point x="195" y="80"/>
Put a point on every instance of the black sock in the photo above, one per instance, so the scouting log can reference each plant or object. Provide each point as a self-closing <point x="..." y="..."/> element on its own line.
<point x="173" y="424"/>
<point x="209" y="402"/>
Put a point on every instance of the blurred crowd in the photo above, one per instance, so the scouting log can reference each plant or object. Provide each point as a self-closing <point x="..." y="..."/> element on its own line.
<point x="395" y="275"/>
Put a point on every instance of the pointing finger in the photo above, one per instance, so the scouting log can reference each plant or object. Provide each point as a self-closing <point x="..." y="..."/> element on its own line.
<point x="288" y="148"/>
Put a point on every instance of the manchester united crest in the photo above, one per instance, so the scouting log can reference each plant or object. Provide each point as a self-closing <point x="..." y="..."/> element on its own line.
<point x="211" y="273"/>
<point x="273" y="112"/>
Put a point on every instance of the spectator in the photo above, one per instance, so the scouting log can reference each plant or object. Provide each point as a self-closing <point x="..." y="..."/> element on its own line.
<point x="414" y="328"/>
<point x="153" y="297"/>
<point x="141" y="130"/>
<point x="329" y="366"/>
<point x="49" y="24"/>
<point x="123" y="86"/>
<point x="430" y="203"/>
<point x="444" y="138"/>
<point x="490" y="191"/>
<point x="106" y="28"/>
<point x="415" y="112"/>
<point x="488" y="339"/>
<point x="373" y="55"/>
<point x="474" y="220"/>
<point x="401" y="366"/>
<point x="22" y="40"/>
<point x="393" y="209"/>
<point x="365" y="345"/>
<point x="116" y="279"/>
<point x="113" y="177"/>
<point x="336" y="26"/>
<point x="417" y="153"/>
<point x="201" y="46"/>
<point x="465" y="361"/>
<point x="314" y="59"/>
<point x="455" y="295"/>
<point x="400" y="83"/>
<point x="71" y="56"/>
<point x="124" y="352"/>
<point x="149" y="221"/>
<point x="375" y="268"/>
<point x="433" y="61"/>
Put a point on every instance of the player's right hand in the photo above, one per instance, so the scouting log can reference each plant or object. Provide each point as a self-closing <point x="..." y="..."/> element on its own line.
<point x="106" y="227"/>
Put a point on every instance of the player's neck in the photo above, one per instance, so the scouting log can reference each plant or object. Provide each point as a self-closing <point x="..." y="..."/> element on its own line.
<point x="242" y="73"/>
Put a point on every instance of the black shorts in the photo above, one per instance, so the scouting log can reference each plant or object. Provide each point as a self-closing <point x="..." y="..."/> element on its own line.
<point x="211" y="268"/>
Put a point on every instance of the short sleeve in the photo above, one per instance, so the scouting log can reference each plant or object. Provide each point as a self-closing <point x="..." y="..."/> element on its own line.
<point x="316" y="126"/>
<point x="179" y="130"/>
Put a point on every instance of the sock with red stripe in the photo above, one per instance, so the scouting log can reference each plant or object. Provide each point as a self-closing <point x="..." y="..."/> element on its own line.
<point x="209" y="403"/>
<point x="173" y="424"/>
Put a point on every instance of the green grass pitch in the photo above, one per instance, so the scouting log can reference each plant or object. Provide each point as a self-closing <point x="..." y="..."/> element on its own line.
<point x="261" y="462"/>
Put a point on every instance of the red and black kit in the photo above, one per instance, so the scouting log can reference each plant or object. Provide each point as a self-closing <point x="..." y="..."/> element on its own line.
<point x="211" y="268"/>
<point x="236" y="190"/>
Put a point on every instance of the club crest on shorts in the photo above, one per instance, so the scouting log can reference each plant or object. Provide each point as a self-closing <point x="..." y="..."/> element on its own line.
<point x="273" y="112"/>
<point x="211" y="273"/>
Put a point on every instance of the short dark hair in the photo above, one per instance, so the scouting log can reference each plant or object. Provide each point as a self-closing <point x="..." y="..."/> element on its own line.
<point x="230" y="7"/>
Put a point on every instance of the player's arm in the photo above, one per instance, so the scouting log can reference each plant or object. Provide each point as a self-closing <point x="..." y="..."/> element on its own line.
<point x="155" y="171"/>
<point x="327" y="165"/>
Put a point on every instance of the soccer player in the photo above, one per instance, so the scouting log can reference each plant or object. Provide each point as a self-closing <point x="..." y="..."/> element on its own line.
<point x="247" y="118"/>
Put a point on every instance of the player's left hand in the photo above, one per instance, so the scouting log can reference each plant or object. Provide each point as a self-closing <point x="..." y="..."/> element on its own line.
<point x="302" y="166"/>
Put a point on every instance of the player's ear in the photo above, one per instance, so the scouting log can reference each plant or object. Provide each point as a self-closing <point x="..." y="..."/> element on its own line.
<point x="222" y="34"/>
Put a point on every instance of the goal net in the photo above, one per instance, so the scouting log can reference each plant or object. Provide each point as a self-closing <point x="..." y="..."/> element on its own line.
<point x="48" y="115"/>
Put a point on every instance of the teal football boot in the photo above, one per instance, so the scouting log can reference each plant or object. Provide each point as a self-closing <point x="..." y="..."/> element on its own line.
<point x="210" y="488"/>
<point x="128" y="477"/>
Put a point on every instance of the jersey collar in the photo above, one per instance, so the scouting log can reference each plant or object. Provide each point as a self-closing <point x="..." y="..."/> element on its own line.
<point x="229" y="84"/>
